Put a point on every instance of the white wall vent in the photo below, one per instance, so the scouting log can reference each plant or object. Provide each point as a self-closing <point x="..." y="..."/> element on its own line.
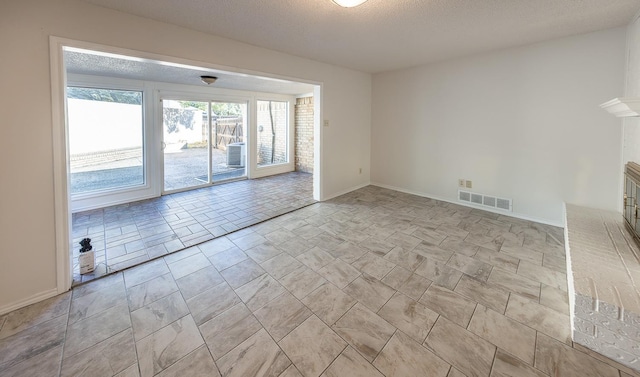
<point x="489" y="201"/>
<point x="485" y="200"/>
<point x="504" y="204"/>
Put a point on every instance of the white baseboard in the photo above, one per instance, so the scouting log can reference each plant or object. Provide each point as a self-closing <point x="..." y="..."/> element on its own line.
<point x="471" y="205"/>
<point x="354" y="188"/>
<point x="28" y="301"/>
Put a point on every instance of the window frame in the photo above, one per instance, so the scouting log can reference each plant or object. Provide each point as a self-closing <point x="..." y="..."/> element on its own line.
<point x="271" y="169"/>
<point x="111" y="196"/>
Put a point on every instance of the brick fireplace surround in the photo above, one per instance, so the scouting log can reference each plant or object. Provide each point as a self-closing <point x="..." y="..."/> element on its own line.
<point x="603" y="270"/>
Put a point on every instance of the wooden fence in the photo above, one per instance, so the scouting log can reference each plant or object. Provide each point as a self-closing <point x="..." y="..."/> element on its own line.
<point x="227" y="131"/>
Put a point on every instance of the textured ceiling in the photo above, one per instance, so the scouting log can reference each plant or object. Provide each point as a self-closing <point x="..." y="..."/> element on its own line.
<point x="93" y="63"/>
<point x="383" y="35"/>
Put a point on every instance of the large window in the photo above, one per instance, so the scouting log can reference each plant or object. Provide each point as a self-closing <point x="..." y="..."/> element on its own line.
<point x="273" y="133"/>
<point x="105" y="139"/>
<point x="113" y="154"/>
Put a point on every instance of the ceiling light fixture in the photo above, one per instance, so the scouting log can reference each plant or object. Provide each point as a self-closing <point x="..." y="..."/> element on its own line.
<point x="208" y="79"/>
<point x="349" y="3"/>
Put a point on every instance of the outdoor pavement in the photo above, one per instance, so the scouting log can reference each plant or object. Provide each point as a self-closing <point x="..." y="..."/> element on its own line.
<point x="183" y="168"/>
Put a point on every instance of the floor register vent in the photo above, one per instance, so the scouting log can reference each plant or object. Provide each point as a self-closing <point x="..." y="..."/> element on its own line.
<point x="485" y="200"/>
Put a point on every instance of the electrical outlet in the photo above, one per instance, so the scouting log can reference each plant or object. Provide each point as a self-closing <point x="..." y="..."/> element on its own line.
<point x="461" y="183"/>
<point x="469" y="184"/>
<point x="326" y="123"/>
<point x="360" y="170"/>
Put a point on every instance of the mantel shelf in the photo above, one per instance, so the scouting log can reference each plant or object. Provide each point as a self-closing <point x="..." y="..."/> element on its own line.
<point x="623" y="107"/>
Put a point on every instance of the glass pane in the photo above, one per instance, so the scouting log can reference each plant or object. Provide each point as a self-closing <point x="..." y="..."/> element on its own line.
<point x="630" y="199"/>
<point x="636" y="194"/>
<point x="228" y="152"/>
<point x="105" y="139"/>
<point x="273" y="122"/>
<point x="185" y="143"/>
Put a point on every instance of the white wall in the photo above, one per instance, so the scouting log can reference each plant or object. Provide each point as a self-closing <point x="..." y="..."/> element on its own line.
<point x="96" y="126"/>
<point x="522" y="123"/>
<point x="27" y="251"/>
<point x="632" y="89"/>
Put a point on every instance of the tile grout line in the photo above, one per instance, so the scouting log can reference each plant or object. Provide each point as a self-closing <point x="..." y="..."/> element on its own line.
<point x="493" y="360"/>
<point x="64" y="339"/>
<point x="133" y="337"/>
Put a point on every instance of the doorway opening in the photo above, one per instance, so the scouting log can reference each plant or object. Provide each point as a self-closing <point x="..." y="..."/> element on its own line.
<point x="144" y="146"/>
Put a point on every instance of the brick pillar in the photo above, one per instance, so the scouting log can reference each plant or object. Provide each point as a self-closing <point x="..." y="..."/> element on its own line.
<point x="304" y="134"/>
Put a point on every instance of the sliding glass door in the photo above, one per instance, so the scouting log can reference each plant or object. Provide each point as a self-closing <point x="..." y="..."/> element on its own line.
<point x="203" y="142"/>
<point x="185" y="144"/>
<point x="229" y="148"/>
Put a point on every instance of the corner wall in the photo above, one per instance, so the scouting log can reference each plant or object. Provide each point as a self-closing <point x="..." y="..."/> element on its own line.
<point x="522" y="123"/>
<point x="631" y="150"/>
<point x="27" y="254"/>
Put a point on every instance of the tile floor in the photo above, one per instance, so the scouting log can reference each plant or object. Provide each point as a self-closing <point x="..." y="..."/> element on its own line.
<point x="129" y="234"/>
<point x="373" y="283"/>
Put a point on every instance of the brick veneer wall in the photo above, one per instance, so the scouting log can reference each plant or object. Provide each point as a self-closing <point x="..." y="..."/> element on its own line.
<point x="280" y="113"/>
<point x="304" y="135"/>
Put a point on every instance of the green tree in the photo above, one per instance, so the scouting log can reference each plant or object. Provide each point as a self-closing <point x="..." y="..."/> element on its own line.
<point x="105" y="95"/>
<point x="226" y="109"/>
<point x="198" y="105"/>
<point x="218" y="108"/>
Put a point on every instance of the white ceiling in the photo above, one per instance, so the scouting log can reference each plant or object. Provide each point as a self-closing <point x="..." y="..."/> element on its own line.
<point x="87" y="62"/>
<point x="383" y="35"/>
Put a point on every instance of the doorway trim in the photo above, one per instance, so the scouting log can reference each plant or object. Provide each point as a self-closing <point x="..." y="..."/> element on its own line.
<point x="62" y="213"/>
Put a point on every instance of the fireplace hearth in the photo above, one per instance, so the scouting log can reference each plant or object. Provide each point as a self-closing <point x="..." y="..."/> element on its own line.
<point x="603" y="272"/>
